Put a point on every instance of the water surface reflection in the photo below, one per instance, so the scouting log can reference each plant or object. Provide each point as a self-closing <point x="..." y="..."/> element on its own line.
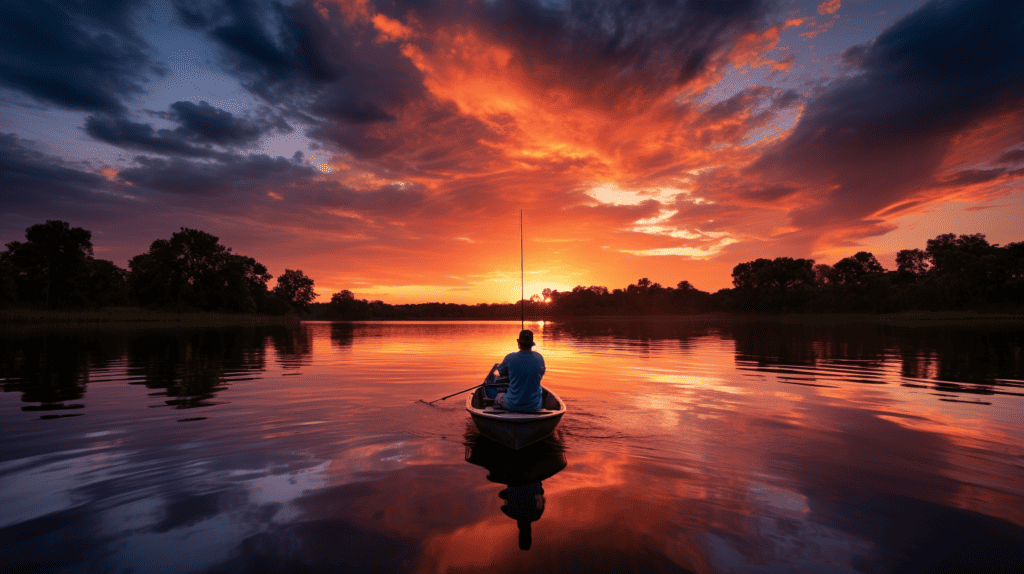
<point x="522" y="472"/>
<point x="704" y="447"/>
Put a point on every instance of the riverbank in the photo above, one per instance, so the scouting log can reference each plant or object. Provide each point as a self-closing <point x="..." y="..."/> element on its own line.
<point x="904" y="319"/>
<point x="139" y="316"/>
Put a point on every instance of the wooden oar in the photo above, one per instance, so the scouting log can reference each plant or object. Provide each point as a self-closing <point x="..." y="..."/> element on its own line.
<point x="483" y="384"/>
<point x="458" y="393"/>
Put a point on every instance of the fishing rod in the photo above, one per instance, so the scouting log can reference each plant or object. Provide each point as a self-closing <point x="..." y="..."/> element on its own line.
<point x="483" y="384"/>
<point x="458" y="393"/>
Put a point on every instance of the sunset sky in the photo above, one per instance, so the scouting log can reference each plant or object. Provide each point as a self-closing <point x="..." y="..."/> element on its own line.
<point x="388" y="147"/>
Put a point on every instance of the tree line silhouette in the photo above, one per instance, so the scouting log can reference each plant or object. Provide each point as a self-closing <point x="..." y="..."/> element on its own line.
<point x="643" y="298"/>
<point x="55" y="268"/>
<point x="953" y="272"/>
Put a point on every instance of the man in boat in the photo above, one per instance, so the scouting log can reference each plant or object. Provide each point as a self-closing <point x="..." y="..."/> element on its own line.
<point x="524" y="370"/>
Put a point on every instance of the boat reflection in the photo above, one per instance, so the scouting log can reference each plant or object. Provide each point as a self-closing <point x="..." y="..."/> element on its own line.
<point x="522" y="472"/>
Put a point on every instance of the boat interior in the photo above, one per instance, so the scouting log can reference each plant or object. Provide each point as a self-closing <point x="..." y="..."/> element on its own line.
<point x="483" y="398"/>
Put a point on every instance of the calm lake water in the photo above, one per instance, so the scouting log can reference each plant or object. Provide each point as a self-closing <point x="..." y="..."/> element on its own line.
<point x="733" y="447"/>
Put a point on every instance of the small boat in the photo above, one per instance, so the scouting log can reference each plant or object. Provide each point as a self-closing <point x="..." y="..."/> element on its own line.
<point x="510" y="428"/>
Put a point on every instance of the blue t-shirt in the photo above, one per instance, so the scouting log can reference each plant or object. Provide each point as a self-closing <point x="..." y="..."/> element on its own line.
<point x="524" y="370"/>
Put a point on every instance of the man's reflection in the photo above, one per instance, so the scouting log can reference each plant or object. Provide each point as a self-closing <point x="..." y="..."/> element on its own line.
<point x="524" y="504"/>
<point x="522" y="472"/>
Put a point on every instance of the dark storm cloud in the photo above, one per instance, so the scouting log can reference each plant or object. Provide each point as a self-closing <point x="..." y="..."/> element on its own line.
<point x="728" y="122"/>
<point x="204" y="123"/>
<point x="35" y="187"/>
<point x="758" y="103"/>
<point x="233" y="173"/>
<point x="613" y="51"/>
<point x="734" y="105"/>
<point x="303" y="56"/>
<point x="392" y="199"/>
<point x="77" y="55"/>
<point x="882" y="133"/>
<point x="34" y="181"/>
<point x="854" y="56"/>
<point x="294" y="183"/>
<point x="785" y="99"/>
<point x="768" y="192"/>
<point x="143" y="137"/>
<point x="974" y="176"/>
<point x="33" y="178"/>
<point x="199" y="124"/>
<point x="1012" y="157"/>
<point x="435" y="137"/>
<point x="359" y="142"/>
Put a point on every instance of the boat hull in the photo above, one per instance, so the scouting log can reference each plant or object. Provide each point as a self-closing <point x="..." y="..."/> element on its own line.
<point x="516" y="435"/>
<point x="513" y="429"/>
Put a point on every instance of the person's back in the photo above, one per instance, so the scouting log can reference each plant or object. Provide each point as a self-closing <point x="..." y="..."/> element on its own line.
<point x="524" y="370"/>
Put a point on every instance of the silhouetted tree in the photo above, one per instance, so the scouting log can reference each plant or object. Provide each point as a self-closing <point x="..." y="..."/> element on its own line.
<point x="344" y="306"/>
<point x="641" y="285"/>
<point x="244" y="284"/>
<point x="855" y="270"/>
<point x="1013" y="261"/>
<point x="952" y="254"/>
<point x="295" y="288"/>
<point x="965" y="269"/>
<point x="106" y="283"/>
<point x="8" y="275"/>
<point x="51" y="266"/>
<point x="912" y="262"/>
<point x="192" y="270"/>
<point x="858" y="283"/>
<point x="781" y="274"/>
<point x="687" y="299"/>
<point x="824" y="275"/>
<point x="342" y="296"/>
<point x="642" y="298"/>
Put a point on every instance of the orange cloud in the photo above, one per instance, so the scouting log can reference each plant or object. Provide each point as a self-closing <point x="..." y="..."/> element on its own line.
<point x="391" y="30"/>
<point x="751" y="47"/>
<point x="829" y="7"/>
<point x="818" y="28"/>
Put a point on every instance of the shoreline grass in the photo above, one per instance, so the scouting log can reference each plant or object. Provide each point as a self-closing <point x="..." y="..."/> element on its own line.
<point x="137" y="316"/>
<point x="123" y="316"/>
<point x="903" y="318"/>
